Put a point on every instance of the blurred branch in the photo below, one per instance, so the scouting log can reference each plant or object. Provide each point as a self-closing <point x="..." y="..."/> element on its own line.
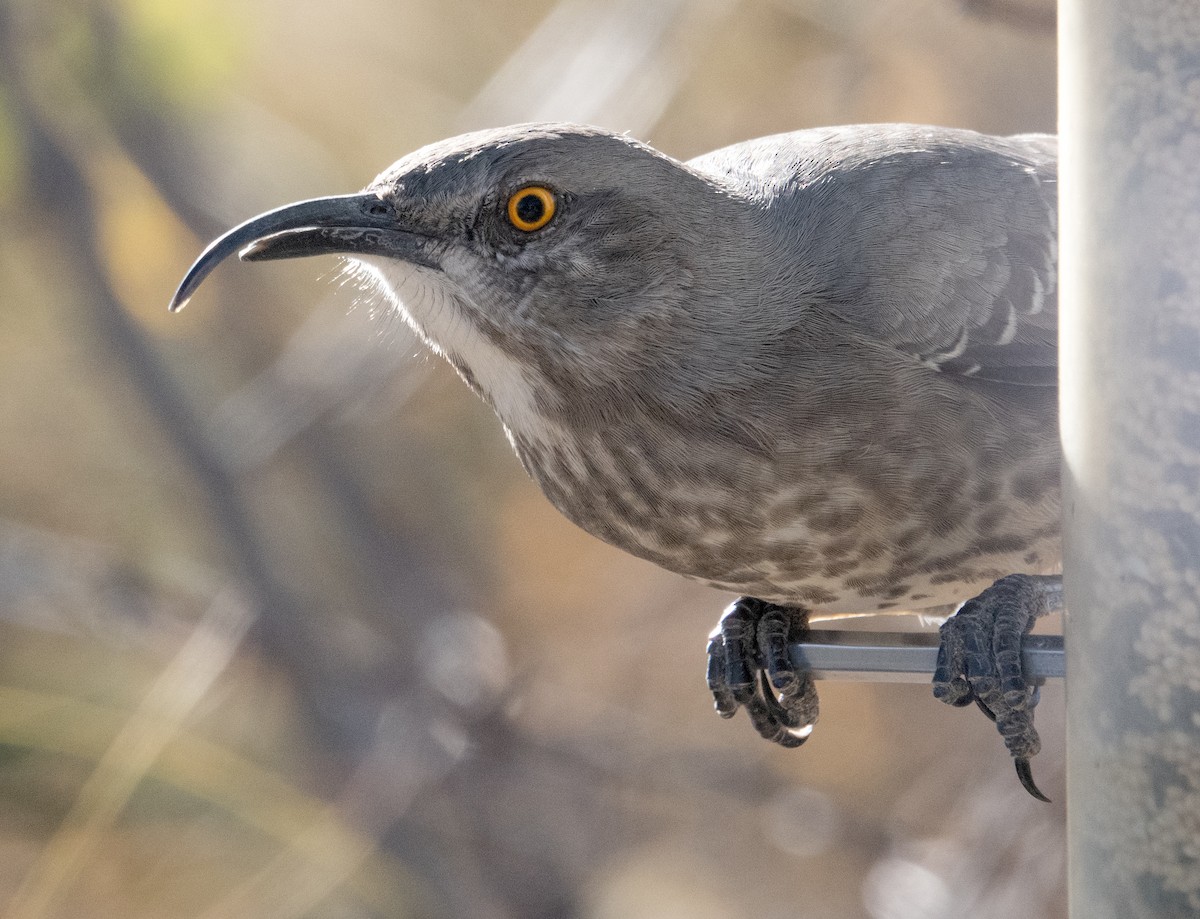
<point x="404" y="763"/>
<point x="132" y="753"/>
<point x="255" y="797"/>
<point x="597" y="62"/>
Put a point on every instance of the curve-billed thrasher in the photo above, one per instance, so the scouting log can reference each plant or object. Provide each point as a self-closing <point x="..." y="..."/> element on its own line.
<point x="817" y="369"/>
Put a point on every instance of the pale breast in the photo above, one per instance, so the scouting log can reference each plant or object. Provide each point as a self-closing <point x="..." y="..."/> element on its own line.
<point x="820" y="539"/>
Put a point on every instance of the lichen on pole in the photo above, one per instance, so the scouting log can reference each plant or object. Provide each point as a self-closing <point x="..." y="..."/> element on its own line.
<point x="1130" y="314"/>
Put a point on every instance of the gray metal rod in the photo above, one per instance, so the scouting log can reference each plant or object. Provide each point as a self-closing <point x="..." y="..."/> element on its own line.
<point x="903" y="657"/>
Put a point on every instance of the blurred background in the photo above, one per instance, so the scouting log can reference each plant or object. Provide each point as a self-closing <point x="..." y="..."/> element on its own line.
<point x="284" y="629"/>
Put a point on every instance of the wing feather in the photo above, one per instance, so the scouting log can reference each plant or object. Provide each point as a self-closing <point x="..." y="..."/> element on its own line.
<point x="939" y="242"/>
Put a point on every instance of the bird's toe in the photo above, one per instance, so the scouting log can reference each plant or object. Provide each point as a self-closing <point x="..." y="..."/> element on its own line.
<point x="749" y="667"/>
<point x="979" y="660"/>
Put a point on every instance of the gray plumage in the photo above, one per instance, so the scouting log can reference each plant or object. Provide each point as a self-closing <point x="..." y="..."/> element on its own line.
<point x="817" y="368"/>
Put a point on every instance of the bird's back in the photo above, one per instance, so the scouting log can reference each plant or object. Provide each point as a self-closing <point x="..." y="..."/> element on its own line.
<point x="937" y="241"/>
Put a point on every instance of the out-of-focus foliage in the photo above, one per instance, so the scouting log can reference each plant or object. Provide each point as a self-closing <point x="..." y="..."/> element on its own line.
<point x="10" y="153"/>
<point x="284" y="630"/>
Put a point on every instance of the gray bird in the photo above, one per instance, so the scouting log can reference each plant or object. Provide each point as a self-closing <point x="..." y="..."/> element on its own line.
<point x="817" y="369"/>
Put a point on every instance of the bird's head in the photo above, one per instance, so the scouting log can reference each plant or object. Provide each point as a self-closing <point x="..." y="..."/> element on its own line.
<point x="538" y="259"/>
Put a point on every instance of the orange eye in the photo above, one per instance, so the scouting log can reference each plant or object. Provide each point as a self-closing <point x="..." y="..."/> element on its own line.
<point x="531" y="208"/>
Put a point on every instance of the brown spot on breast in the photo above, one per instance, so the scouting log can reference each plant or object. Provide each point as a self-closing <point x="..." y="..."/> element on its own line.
<point x="816" y="595"/>
<point x="949" y="518"/>
<point x="552" y="490"/>
<point x="641" y="487"/>
<point x="906" y="562"/>
<point x="623" y="461"/>
<point x="834" y="518"/>
<point x="908" y="538"/>
<point x="990" y="519"/>
<point x="963" y="575"/>
<point x="796" y="560"/>
<point x="869" y="585"/>
<point x="591" y="472"/>
<point x="839" y="547"/>
<point x="985" y="492"/>
<point x="1031" y="486"/>
<point x="1002" y="544"/>
<point x="719" y="475"/>
<point x="671" y="539"/>
<point x="947" y="562"/>
<point x="872" y="549"/>
<point x="838" y="568"/>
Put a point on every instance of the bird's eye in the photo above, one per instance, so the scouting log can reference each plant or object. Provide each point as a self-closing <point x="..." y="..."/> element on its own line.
<point x="531" y="208"/>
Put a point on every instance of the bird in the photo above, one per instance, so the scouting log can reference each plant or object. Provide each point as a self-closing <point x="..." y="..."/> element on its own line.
<point x="816" y="369"/>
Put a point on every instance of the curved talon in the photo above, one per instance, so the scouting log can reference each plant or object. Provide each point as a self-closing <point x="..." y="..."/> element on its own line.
<point x="778" y="723"/>
<point x="991" y="715"/>
<point x="979" y="660"/>
<point x="764" y="718"/>
<point x="1025" y="774"/>
<point x="787" y="718"/>
<point x="790" y="740"/>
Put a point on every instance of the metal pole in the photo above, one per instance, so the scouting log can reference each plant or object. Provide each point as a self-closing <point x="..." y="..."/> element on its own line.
<point x="1130" y="305"/>
<point x="904" y="657"/>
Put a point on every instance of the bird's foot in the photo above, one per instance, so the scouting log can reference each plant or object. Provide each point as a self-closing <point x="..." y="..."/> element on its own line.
<point x="749" y="667"/>
<point x="979" y="660"/>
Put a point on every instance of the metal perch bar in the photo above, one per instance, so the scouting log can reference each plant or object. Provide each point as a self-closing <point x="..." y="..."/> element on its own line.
<point x="904" y="657"/>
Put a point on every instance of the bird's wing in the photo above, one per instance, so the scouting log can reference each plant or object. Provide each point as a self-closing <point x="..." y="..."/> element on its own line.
<point x="941" y="243"/>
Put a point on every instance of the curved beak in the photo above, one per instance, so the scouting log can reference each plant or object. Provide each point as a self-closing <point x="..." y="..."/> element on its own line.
<point x="360" y="223"/>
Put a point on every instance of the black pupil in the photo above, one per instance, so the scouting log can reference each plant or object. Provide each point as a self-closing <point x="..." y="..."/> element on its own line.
<point x="530" y="208"/>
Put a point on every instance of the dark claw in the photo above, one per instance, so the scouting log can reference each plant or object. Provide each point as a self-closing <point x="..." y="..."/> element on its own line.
<point x="979" y="660"/>
<point x="774" y="630"/>
<point x="718" y="683"/>
<point x="779" y="723"/>
<point x="1025" y="774"/>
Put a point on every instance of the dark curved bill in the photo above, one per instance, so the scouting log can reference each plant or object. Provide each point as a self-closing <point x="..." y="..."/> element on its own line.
<point x="361" y="223"/>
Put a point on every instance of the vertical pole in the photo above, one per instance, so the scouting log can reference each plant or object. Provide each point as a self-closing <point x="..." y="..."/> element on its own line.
<point x="1130" y="306"/>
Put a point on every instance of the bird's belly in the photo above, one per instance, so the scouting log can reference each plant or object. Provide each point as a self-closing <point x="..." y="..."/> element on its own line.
<point x="820" y="541"/>
<point x="949" y="574"/>
<point x="859" y="570"/>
